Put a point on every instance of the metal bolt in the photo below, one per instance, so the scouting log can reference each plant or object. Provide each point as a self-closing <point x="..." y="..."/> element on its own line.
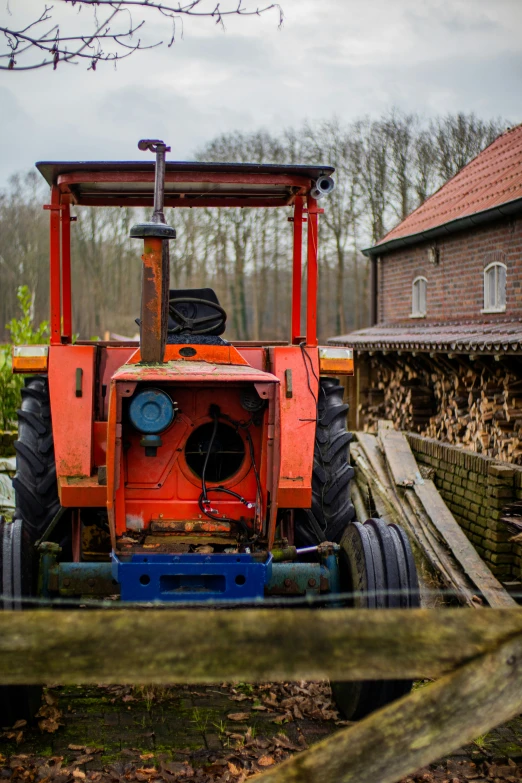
<point x="66" y="582"/>
<point x="288" y="582"/>
<point x="312" y="582"/>
<point x="91" y="582"/>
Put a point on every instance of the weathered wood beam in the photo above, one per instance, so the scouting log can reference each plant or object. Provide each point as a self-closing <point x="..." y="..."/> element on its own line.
<point x="361" y="511"/>
<point x="418" y="729"/>
<point x="455" y="539"/>
<point x="405" y="472"/>
<point x="209" y="646"/>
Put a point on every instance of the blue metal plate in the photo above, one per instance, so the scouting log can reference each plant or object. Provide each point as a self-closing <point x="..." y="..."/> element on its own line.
<point x="193" y="577"/>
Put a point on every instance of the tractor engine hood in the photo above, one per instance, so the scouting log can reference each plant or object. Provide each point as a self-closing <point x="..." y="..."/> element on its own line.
<point x="221" y="369"/>
<point x="179" y="370"/>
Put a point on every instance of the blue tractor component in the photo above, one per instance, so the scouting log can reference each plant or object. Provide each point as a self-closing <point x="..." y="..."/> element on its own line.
<point x="151" y="411"/>
<point x="192" y="577"/>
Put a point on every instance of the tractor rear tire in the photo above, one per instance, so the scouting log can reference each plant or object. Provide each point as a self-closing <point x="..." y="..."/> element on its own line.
<point x="332" y="509"/>
<point x="37" y="504"/>
<point x="35" y="483"/>
<point x="17" y="702"/>
<point x="377" y="566"/>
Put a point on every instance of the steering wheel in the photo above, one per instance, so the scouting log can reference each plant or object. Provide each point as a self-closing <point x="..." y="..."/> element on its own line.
<point x="203" y="324"/>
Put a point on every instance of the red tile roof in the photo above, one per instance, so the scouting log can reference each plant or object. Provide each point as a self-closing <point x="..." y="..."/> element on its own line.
<point x="496" y="337"/>
<point x="491" y="179"/>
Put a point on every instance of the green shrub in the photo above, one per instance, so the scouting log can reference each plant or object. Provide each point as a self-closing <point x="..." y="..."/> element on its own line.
<point x="22" y="332"/>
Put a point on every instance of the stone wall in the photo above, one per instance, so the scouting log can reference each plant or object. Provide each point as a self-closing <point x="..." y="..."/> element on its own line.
<point x="476" y="489"/>
<point x="7" y="440"/>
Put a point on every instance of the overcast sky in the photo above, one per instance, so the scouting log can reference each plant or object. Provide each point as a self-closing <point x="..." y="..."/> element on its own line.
<point x="343" y="57"/>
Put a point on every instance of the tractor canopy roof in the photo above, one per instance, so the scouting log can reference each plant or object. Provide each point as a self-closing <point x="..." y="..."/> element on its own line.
<point x="131" y="183"/>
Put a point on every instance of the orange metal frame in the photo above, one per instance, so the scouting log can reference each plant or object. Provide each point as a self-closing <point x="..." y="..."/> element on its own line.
<point x="60" y="246"/>
<point x="89" y="422"/>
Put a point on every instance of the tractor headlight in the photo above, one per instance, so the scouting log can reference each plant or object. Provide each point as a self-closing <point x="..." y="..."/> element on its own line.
<point x="151" y="411"/>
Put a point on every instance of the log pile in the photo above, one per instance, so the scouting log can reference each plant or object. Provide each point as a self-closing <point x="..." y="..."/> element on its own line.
<point x="473" y="403"/>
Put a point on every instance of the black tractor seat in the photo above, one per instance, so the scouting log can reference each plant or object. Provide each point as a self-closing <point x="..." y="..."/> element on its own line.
<point x="193" y="319"/>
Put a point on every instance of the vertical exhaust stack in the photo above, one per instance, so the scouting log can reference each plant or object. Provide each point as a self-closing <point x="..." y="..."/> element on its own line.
<point x="155" y="278"/>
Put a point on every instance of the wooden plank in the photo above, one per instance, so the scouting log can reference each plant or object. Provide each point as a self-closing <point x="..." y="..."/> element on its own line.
<point x="380" y="494"/>
<point x="361" y="511"/>
<point x="374" y="455"/>
<point x="400" y="459"/>
<point x="439" y="555"/>
<point x="401" y="505"/>
<point x="465" y="553"/>
<point x="417" y="730"/>
<point x="207" y="646"/>
<point x="405" y="472"/>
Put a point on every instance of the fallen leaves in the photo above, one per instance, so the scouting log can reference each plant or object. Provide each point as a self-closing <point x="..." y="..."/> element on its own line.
<point x="49" y="714"/>
<point x="17" y="736"/>
<point x="245" y="752"/>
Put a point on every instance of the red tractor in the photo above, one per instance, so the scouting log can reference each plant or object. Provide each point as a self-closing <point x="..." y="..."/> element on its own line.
<point x="188" y="468"/>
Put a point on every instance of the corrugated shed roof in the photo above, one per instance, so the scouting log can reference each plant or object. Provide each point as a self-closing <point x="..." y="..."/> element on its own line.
<point x="490" y="180"/>
<point x="459" y="337"/>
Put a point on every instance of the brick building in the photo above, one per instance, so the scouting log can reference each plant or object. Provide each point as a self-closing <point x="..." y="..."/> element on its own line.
<point x="443" y="356"/>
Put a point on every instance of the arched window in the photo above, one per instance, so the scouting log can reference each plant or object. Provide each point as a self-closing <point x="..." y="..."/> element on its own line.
<point x="495" y="288"/>
<point x="418" y="297"/>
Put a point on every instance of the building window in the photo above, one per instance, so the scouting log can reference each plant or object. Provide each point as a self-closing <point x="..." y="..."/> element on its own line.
<point x="418" y="297"/>
<point x="495" y="288"/>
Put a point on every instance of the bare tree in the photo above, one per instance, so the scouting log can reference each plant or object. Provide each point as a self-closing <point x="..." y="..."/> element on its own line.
<point x="459" y="138"/>
<point x="401" y="132"/>
<point x="331" y="143"/>
<point x="383" y="168"/>
<point x="373" y="144"/>
<point x="110" y="34"/>
<point x="424" y="166"/>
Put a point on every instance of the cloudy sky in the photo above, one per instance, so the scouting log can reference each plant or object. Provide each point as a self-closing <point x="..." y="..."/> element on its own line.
<point x="332" y="57"/>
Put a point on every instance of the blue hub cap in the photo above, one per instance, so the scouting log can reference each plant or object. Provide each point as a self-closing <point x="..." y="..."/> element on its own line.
<point x="151" y="411"/>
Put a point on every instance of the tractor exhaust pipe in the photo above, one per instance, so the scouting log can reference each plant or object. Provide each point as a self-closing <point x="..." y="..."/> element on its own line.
<point x="155" y="277"/>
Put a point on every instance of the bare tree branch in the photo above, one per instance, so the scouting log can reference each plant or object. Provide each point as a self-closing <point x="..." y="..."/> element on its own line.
<point x="111" y="39"/>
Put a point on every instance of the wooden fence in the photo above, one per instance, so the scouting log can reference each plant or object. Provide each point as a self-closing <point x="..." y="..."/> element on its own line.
<point x="476" y="656"/>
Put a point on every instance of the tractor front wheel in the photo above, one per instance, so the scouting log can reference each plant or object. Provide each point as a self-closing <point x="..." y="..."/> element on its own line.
<point x="377" y="567"/>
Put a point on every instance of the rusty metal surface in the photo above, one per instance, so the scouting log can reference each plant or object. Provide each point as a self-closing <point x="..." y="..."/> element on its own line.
<point x="193" y="371"/>
<point x="213" y="354"/>
<point x="295" y="435"/>
<point x="189" y="526"/>
<point x="493" y="178"/>
<point x="496" y="337"/>
<point x="72" y="416"/>
<point x="297" y="579"/>
<point x="78" y="579"/>
<point x="153" y="325"/>
<point x="83" y="491"/>
<point x="260" y="172"/>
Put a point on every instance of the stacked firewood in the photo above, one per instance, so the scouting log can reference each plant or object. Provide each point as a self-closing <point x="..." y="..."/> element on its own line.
<point x="476" y="404"/>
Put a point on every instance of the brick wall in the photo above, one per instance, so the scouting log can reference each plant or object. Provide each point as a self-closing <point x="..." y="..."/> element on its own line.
<point x="476" y="489"/>
<point x="455" y="288"/>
